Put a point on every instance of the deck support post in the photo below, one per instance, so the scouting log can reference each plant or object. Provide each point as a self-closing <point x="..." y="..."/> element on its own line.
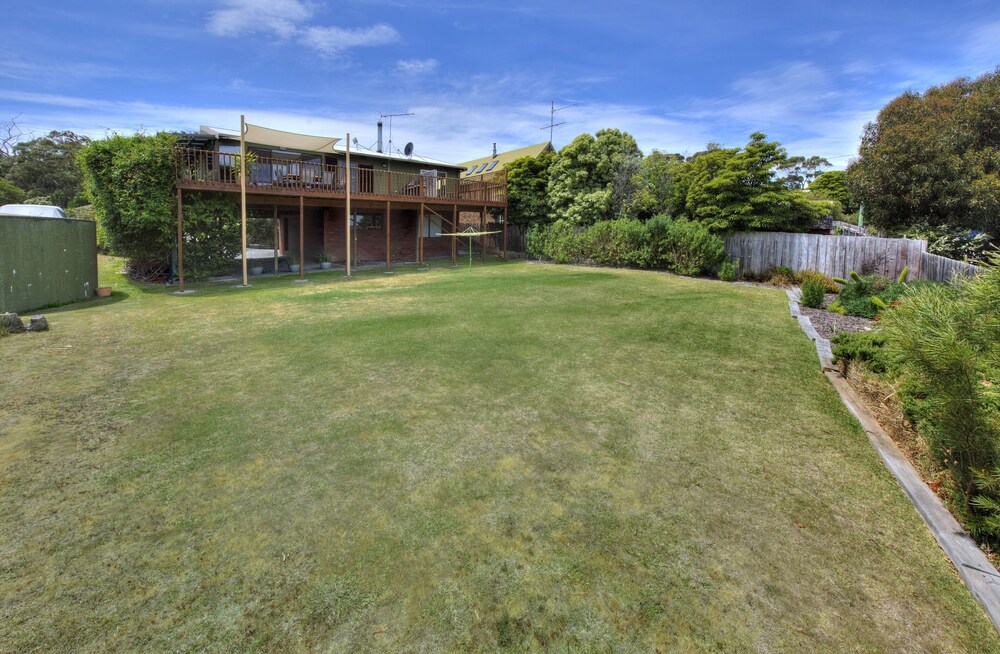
<point x="277" y="245"/>
<point x="302" y="237"/>
<point x="388" y="239"/>
<point x="180" y="242"/>
<point x="243" y="197"/>
<point x="505" y="232"/>
<point x="420" y="235"/>
<point x="482" y="228"/>
<point x="347" y="209"/>
<point x="454" y="230"/>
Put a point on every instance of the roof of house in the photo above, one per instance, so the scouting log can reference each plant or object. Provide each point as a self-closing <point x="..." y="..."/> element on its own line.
<point x="486" y="165"/>
<point x="336" y="147"/>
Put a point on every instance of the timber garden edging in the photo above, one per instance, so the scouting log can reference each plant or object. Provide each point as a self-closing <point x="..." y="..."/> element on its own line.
<point x="977" y="573"/>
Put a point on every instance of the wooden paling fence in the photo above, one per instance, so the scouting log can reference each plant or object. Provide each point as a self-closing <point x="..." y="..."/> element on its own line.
<point x="943" y="269"/>
<point x="837" y="256"/>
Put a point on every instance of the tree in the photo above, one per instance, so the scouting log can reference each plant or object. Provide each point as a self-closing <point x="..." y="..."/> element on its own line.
<point x="657" y="178"/>
<point x="10" y="135"/>
<point x="832" y="185"/>
<point x="800" y="171"/>
<point x="738" y="189"/>
<point x="594" y="178"/>
<point x="131" y="181"/>
<point x="527" y="181"/>
<point x="933" y="158"/>
<point x="47" y="166"/>
<point x="10" y="194"/>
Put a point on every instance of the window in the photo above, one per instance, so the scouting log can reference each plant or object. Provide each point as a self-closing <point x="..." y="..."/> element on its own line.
<point x="493" y="165"/>
<point x="481" y="168"/>
<point x="432" y="226"/>
<point x="367" y="221"/>
<point x="471" y="170"/>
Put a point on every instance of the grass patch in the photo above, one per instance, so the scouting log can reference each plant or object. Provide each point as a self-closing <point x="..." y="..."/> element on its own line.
<point x="521" y="457"/>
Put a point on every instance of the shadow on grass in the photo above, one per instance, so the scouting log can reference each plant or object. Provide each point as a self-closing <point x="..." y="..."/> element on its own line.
<point x="91" y="303"/>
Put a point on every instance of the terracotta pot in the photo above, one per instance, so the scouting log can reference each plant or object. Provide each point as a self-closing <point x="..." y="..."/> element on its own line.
<point x="103" y="291"/>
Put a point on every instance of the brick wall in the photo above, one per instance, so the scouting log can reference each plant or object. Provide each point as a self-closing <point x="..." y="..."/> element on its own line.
<point x="369" y="244"/>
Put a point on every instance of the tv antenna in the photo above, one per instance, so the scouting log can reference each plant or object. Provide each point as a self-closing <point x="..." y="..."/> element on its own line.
<point x="390" y="117"/>
<point x="552" y="117"/>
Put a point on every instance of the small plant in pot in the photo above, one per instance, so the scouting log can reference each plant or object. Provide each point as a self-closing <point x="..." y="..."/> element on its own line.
<point x="293" y="263"/>
<point x="325" y="261"/>
<point x="256" y="270"/>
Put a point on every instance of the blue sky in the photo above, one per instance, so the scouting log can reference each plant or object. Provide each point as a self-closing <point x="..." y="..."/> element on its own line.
<point x="675" y="75"/>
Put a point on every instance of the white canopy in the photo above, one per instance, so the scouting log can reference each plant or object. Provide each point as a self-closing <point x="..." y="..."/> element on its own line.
<point x="289" y="140"/>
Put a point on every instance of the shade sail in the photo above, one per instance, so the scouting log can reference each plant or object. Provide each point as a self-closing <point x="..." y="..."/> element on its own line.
<point x="289" y="140"/>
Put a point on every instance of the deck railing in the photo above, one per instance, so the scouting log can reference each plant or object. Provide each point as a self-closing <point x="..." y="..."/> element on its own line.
<point x="221" y="170"/>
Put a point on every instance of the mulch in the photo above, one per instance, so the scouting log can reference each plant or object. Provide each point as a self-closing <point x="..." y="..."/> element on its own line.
<point x="828" y="323"/>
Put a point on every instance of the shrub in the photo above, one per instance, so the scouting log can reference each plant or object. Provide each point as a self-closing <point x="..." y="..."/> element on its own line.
<point x="949" y="348"/>
<point x="864" y="348"/>
<point x="558" y="242"/>
<point x="868" y="296"/>
<point x="829" y="286"/>
<point x="683" y="246"/>
<point x="729" y="270"/>
<point x="131" y="183"/>
<point x="813" y="293"/>
<point x="779" y="276"/>
<point x="952" y="242"/>
<point x="623" y="242"/>
<point x="856" y="296"/>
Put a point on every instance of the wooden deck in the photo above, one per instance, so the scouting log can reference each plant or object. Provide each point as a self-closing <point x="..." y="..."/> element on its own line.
<point x="207" y="170"/>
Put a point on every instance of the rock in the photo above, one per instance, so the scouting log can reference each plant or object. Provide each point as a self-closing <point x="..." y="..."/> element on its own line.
<point x="11" y="322"/>
<point x="37" y="324"/>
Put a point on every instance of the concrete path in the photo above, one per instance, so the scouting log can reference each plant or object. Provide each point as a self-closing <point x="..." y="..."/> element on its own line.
<point x="976" y="571"/>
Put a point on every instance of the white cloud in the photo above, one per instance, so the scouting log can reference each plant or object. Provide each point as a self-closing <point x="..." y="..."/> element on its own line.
<point x="982" y="49"/>
<point x="280" y="17"/>
<point x="332" y="40"/>
<point x="287" y="19"/>
<point x="416" y="66"/>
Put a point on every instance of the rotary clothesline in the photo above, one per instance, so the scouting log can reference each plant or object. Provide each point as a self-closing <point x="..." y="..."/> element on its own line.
<point x="470" y="232"/>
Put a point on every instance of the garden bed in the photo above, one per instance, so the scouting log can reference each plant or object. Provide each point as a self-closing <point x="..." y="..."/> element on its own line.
<point x="828" y="323"/>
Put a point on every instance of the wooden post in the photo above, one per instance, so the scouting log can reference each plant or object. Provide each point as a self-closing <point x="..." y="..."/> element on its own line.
<point x="243" y="197"/>
<point x="505" y="233"/>
<point x="302" y="237"/>
<point x="388" y="240"/>
<point x="454" y="230"/>
<point x="482" y="239"/>
<point x="180" y="242"/>
<point x="420" y="234"/>
<point x="274" y="250"/>
<point x="347" y="209"/>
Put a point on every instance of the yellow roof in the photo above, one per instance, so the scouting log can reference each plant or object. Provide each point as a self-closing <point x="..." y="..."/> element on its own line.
<point x="502" y="159"/>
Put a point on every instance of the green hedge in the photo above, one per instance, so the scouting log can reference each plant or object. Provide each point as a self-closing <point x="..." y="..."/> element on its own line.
<point x="130" y="182"/>
<point x="681" y="246"/>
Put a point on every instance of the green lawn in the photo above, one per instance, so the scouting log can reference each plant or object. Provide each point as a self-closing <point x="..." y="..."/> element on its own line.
<point x="522" y="457"/>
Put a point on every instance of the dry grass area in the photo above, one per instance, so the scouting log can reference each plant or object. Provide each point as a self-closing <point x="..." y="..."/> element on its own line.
<point x="518" y="458"/>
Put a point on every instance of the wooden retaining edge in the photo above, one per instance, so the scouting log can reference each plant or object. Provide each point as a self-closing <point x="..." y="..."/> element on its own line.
<point x="975" y="570"/>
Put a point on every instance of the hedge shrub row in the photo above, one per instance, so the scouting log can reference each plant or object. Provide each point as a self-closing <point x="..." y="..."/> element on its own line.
<point x="681" y="246"/>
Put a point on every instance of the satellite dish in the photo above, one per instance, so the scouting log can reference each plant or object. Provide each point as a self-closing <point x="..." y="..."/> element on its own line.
<point x="408" y="150"/>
